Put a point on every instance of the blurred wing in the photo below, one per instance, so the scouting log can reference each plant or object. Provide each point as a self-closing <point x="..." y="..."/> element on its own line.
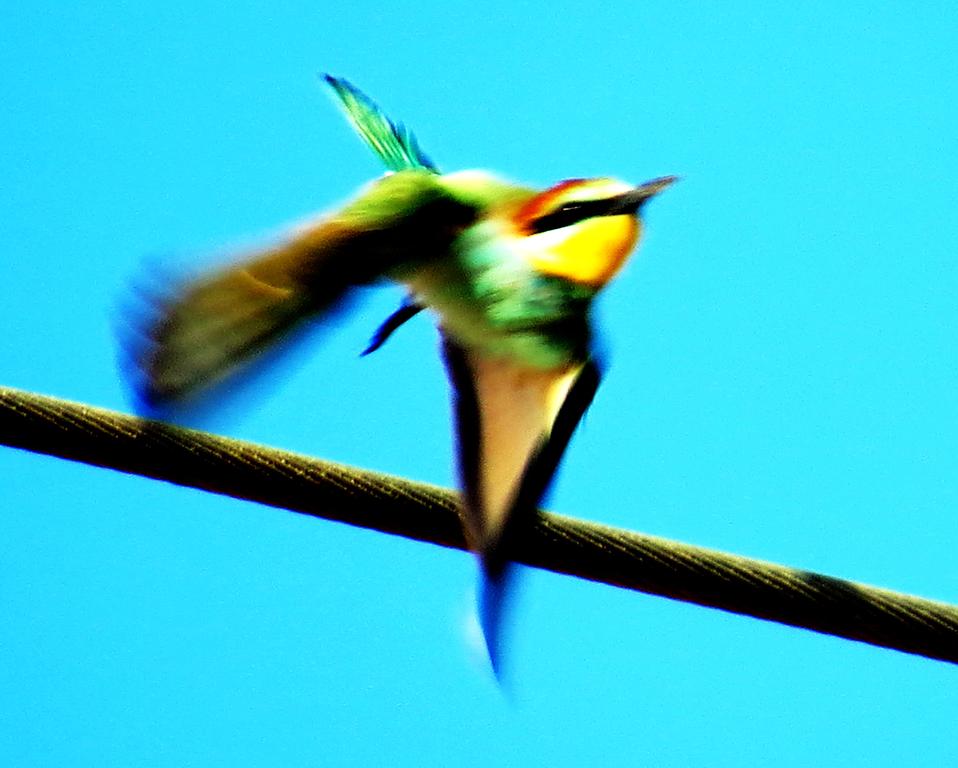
<point x="202" y="331"/>
<point x="513" y="424"/>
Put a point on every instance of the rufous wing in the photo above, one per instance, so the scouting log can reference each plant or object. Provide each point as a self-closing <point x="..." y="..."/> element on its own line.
<point x="196" y="333"/>
<point x="192" y="334"/>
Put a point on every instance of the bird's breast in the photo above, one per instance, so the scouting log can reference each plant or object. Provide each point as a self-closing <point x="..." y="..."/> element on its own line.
<point x="490" y="298"/>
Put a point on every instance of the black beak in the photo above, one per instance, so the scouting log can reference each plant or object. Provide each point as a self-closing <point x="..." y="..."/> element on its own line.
<point x="634" y="199"/>
<point x="628" y="203"/>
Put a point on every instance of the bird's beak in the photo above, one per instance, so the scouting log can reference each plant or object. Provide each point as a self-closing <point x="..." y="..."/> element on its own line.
<point x="634" y="199"/>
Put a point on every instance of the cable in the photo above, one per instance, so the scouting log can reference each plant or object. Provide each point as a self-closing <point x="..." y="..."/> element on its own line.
<point x="428" y="513"/>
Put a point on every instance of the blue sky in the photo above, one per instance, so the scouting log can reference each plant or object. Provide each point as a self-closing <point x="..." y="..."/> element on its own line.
<point x="782" y="382"/>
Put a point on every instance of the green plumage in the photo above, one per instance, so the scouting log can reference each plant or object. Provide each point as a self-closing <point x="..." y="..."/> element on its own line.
<point x="467" y="246"/>
<point x="395" y="145"/>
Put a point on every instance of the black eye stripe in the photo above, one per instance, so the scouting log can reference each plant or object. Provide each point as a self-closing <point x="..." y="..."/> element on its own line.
<point x="571" y="213"/>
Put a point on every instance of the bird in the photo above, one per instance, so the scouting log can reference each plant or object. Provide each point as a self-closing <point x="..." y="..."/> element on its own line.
<point x="510" y="273"/>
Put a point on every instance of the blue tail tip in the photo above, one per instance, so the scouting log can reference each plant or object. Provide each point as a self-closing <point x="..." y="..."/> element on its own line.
<point x="492" y="599"/>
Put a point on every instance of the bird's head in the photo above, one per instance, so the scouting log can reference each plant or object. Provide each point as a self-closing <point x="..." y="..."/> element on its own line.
<point x="584" y="229"/>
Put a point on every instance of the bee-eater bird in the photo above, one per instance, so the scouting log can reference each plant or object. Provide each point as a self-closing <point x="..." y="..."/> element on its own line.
<point x="510" y="274"/>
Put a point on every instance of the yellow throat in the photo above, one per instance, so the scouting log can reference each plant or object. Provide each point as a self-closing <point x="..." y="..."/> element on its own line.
<point x="590" y="251"/>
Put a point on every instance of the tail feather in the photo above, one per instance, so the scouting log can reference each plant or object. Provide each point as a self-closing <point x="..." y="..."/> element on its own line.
<point x="493" y="595"/>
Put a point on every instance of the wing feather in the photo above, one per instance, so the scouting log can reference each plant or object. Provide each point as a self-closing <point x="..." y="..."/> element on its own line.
<point x="395" y="144"/>
<point x="200" y="332"/>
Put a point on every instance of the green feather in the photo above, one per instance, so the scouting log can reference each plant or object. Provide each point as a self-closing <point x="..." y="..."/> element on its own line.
<point x="393" y="143"/>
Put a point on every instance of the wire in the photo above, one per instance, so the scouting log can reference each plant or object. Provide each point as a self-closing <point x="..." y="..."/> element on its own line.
<point x="428" y="513"/>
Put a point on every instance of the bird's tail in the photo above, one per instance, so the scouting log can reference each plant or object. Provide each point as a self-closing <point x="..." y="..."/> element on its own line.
<point x="495" y="578"/>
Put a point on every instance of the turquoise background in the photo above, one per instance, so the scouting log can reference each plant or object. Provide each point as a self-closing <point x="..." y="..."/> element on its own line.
<point x="782" y="382"/>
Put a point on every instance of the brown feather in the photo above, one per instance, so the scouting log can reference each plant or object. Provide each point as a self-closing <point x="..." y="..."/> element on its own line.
<point x="200" y="332"/>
